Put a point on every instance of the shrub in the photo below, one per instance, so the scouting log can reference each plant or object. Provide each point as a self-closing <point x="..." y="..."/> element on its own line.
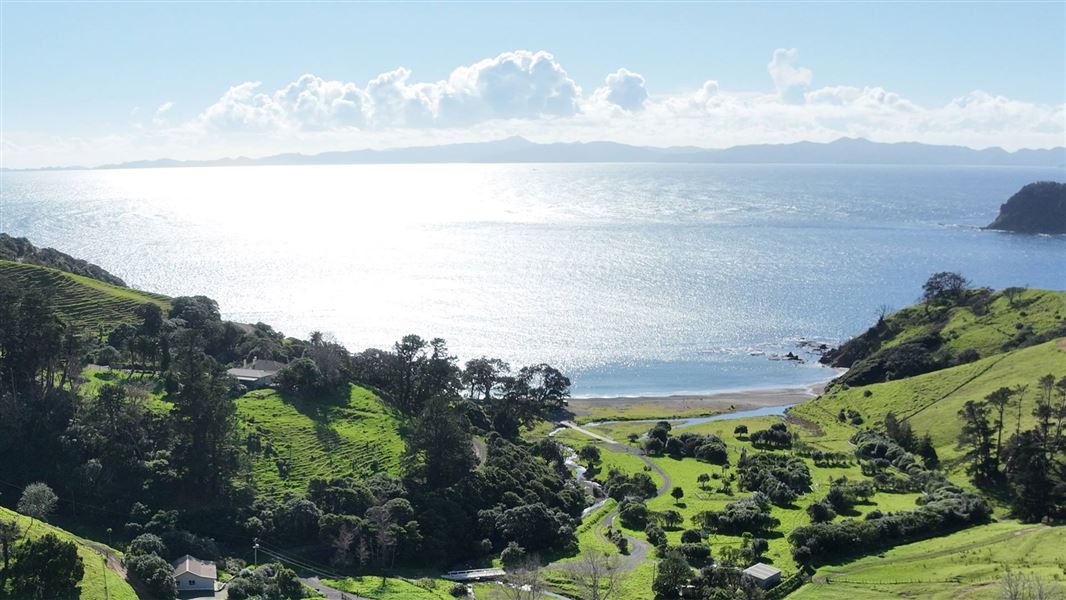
<point x="691" y="536"/>
<point x="750" y="514"/>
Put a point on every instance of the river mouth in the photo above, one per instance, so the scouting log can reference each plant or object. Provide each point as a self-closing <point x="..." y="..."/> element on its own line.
<point x="764" y="411"/>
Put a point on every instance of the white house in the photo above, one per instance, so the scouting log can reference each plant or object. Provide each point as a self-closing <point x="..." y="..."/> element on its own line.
<point x="256" y="374"/>
<point x="764" y="575"/>
<point x="193" y="574"/>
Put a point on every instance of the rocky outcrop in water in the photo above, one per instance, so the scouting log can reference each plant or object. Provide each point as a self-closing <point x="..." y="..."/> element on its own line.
<point x="1036" y="208"/>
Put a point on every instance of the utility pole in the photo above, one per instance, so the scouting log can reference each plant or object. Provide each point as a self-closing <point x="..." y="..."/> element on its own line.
<point x="255" y="549"/>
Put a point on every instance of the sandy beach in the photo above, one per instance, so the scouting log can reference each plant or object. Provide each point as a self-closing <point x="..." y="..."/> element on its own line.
<point x="688" y="405"/>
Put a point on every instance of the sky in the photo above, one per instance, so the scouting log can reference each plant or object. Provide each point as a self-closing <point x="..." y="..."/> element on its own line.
<point x="94" y="82"/>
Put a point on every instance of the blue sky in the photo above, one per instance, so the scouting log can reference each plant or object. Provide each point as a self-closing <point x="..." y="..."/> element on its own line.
<point x="86" y="82"/>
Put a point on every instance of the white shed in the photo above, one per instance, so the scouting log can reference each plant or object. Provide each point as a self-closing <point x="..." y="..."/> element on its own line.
<point x="193" y="574"/>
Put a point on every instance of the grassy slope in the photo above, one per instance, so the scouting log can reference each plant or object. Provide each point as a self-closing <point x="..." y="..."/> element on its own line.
<point x="319" y="439"/>
<point x="986" y="333"/>
<point x="931" y="402"/>
<point x="977" y="557"/>
<point x="84" y="301"/>
<point x="97" y="576"/>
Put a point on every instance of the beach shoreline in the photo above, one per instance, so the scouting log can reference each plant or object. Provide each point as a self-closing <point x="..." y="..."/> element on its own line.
<point x="689" y="405"/>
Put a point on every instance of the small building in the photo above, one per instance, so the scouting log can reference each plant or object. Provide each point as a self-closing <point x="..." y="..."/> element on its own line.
<point x="765" y="576"/>
<point x="257" y="373"/>
<point x="194" y="575"/>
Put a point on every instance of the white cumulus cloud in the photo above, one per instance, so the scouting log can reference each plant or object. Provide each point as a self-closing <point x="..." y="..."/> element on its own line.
<point x="789" y="80"/>
<point x="624" y="89"/>
<point x="531" y="94"/>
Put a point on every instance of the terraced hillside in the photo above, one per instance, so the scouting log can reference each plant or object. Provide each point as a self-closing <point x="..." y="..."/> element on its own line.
<point x="293" y="441"/>
<point x="101" y="581"/>
<point x="86" y="302"/>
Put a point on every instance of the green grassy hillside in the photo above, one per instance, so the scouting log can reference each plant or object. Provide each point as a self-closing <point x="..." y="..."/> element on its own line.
<point x="86" y="302"/>
<point x="931" y="402"/>
<point x="987" y="330"/>
<point x="99" y="582"/>
<point x="924" y="338"/>
<point x="967" y="565"/>
<point x="293" y="441"/>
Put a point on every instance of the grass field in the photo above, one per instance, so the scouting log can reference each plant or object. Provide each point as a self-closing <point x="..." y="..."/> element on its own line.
<point x="394" y="588"/>
<point x="148" y="388"/>
<point x="81" y="300"/>
<point x="967" y="564"/>
<point x="99" y="582"/>
<point x="319" y="439"/>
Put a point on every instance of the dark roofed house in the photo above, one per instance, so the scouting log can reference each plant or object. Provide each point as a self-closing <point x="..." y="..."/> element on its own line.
<point x="256" y="374"/>
<point x="192" y="574"/>
<point x="765" y="576"/>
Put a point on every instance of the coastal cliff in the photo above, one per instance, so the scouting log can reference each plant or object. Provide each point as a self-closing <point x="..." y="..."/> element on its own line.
<point x="1036" y="208"/>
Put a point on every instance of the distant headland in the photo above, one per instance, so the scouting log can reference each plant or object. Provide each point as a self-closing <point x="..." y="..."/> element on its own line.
<point x="1037" y="208"/>
<point x="843" y="151"/>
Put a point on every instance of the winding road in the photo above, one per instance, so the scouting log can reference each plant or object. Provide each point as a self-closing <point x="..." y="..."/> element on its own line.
<point x="638" y="548"/>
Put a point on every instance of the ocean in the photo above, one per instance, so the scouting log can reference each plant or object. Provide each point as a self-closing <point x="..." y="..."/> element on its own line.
<point x="635" y="279"/>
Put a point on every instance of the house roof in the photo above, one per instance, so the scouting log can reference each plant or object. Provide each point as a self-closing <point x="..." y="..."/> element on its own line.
<point x="762" y="571"/>
<point x="262" y="364"/>
<point x="188" y="564"/>
<point x="243" y="374"/>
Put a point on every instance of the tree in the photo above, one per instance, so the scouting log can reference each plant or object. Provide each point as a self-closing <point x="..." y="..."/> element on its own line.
<point x="155" y="573"/>
<point x="524" y="581"/>
<point x="1029" y="472"/>
<point x="146" y="543"/>
<point x="596" y="574"/>
<point x="301" y="377"/>
<point x="821" y="512"/>
<point x="900" y="431"/>
<point x="482" y="376"/>
<point x="204" y="418"/>
<point x="944" y="285"/>
<point x="976" y="437"/>
<point x="38" y="501"/>
<point x="928" y="452"/>
<point x="440" y="447"/>
<point x="589" y="453"/>
<point x="672" y="518"/>
<point x="702" y="479"/>
<point x="46" y="568"/>
<point x="999" y="400"/>
<point x="671" y="574"/>
<point x="10" y="532"/>
<point x="1012" y="294"/>
<point x="678" y="494"/>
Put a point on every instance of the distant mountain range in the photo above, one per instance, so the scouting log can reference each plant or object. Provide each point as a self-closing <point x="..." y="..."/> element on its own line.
<point x="521" y="150"/>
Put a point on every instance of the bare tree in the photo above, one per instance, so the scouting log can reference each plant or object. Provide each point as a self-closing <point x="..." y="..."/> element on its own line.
<point x="1018" y="586"/>
<point x="883" y="310"/>
<point x="524" y="582"/>
<point x="596" y="573"/>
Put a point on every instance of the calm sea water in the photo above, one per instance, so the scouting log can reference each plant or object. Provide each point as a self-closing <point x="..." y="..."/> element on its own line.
<point x="637" y="279"/>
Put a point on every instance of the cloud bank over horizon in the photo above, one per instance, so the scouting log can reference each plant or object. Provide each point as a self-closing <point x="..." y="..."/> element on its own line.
<point x="530" y="93"/>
